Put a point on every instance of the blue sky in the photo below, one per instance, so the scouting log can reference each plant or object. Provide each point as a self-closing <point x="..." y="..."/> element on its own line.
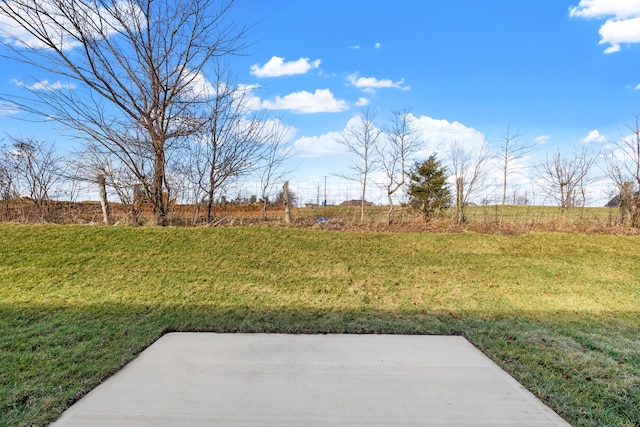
<point x="561" y="72"/>
<point x="483" y="64"/>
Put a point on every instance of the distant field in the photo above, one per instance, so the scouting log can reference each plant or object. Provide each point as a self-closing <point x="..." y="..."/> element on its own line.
<point x="560" y="312"/>
<point x="538" y="216"/>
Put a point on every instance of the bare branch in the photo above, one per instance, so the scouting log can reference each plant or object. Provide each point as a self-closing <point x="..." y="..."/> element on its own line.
<point x="563" y="178"/>
<point x="510" y="151"/>
<point x="360" y="138"/>
<point x="468" y="167"/>
<point x="401" y="142"/>
<point x="623" y="168"/>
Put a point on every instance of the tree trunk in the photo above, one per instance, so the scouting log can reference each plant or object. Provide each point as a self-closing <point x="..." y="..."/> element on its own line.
<point x="504" y="183"/>
<point x="364" y="191"/>
<point x="625" y="202"/>
<point x="504" y="187"/>
<point x="460" y="218"/>
<point x="159" y="203"/>
<point x="390" y="211"/>
<point x="210" y="213"/>
<point x="564" y="201"/>
<point x="102" y="185"/>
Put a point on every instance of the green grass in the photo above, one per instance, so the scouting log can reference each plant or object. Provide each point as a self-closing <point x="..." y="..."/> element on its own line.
<point x="560" y="312"/>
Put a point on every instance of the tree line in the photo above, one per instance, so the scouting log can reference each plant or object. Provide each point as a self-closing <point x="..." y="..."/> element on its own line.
<point x="460" y="174"/>
<point x="432" y="186"/>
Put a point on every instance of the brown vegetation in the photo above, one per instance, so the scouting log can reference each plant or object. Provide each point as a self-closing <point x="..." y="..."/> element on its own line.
<point x="508" y="220"/>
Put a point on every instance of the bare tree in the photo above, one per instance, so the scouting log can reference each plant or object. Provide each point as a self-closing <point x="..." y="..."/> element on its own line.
<point x="184" y="185"/>
<point x="36" y="169"/>
<point x="400" y="143"/>
<point x="232" y="140"/>
<point x="468" y="166"/>
<point x="564" y="178"/>
<point x="271" y="169"/>
<point x="132" y="71"/>
<point x="510" y="151"/>
<point x="623" y="165"/>
<point x="626" y="203"/>
<point x="360" y="138"/>
<point x="7" y="180"/>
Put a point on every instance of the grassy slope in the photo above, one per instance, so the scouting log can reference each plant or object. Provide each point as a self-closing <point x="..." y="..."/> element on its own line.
<point x="560" y="312"/>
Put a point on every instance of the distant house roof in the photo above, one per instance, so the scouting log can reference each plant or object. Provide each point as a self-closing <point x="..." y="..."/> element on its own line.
<point x="356" y="203"/>
<point x="615" y="202"/>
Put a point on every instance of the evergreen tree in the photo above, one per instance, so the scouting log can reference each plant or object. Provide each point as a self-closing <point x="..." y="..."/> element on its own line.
<point x="428" y="189"/>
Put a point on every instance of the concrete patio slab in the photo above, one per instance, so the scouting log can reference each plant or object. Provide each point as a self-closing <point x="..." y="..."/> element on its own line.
<point x="206" y="379"/>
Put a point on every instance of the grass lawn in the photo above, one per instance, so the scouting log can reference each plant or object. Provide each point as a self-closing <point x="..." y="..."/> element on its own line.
<point x="560" y="312"/>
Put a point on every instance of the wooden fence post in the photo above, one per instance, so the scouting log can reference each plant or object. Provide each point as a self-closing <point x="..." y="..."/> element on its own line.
<point x="102" y="184"/>
<point x="287" y="208"/>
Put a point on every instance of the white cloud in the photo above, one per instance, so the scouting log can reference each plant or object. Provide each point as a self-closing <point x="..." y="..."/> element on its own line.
<point x="621" y="9"/>
<point x="594" y="136"/>
<point x="612" y="49"/>
<point x="325" y="145"/>
<point x="542" y="139"/>
<point x="244" y="96"/>
<point x="277" y="127"/>
<point x="369" y="84"/>
<point x="377" y="45"/>
<point x="617" y="32"/>
<point x="322" y="101"/>
<point x="637" y="87"/>
<point x="14" y="34"/>
<point x="277" y="67"/>
<point x="46" y="16"/>
<point x="199" y="87"/>
<point x="362" y="102"/>
<point x="7" y="109"/>
<point x="44" y="85"/>
<point x="440" y="133"/>
<point x="622" y="24"/>
<point x="318" y="146"/>
<point x="355" y="47"/>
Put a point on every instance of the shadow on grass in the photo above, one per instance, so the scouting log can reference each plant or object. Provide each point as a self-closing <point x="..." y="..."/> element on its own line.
<point x="584" y="366"/>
